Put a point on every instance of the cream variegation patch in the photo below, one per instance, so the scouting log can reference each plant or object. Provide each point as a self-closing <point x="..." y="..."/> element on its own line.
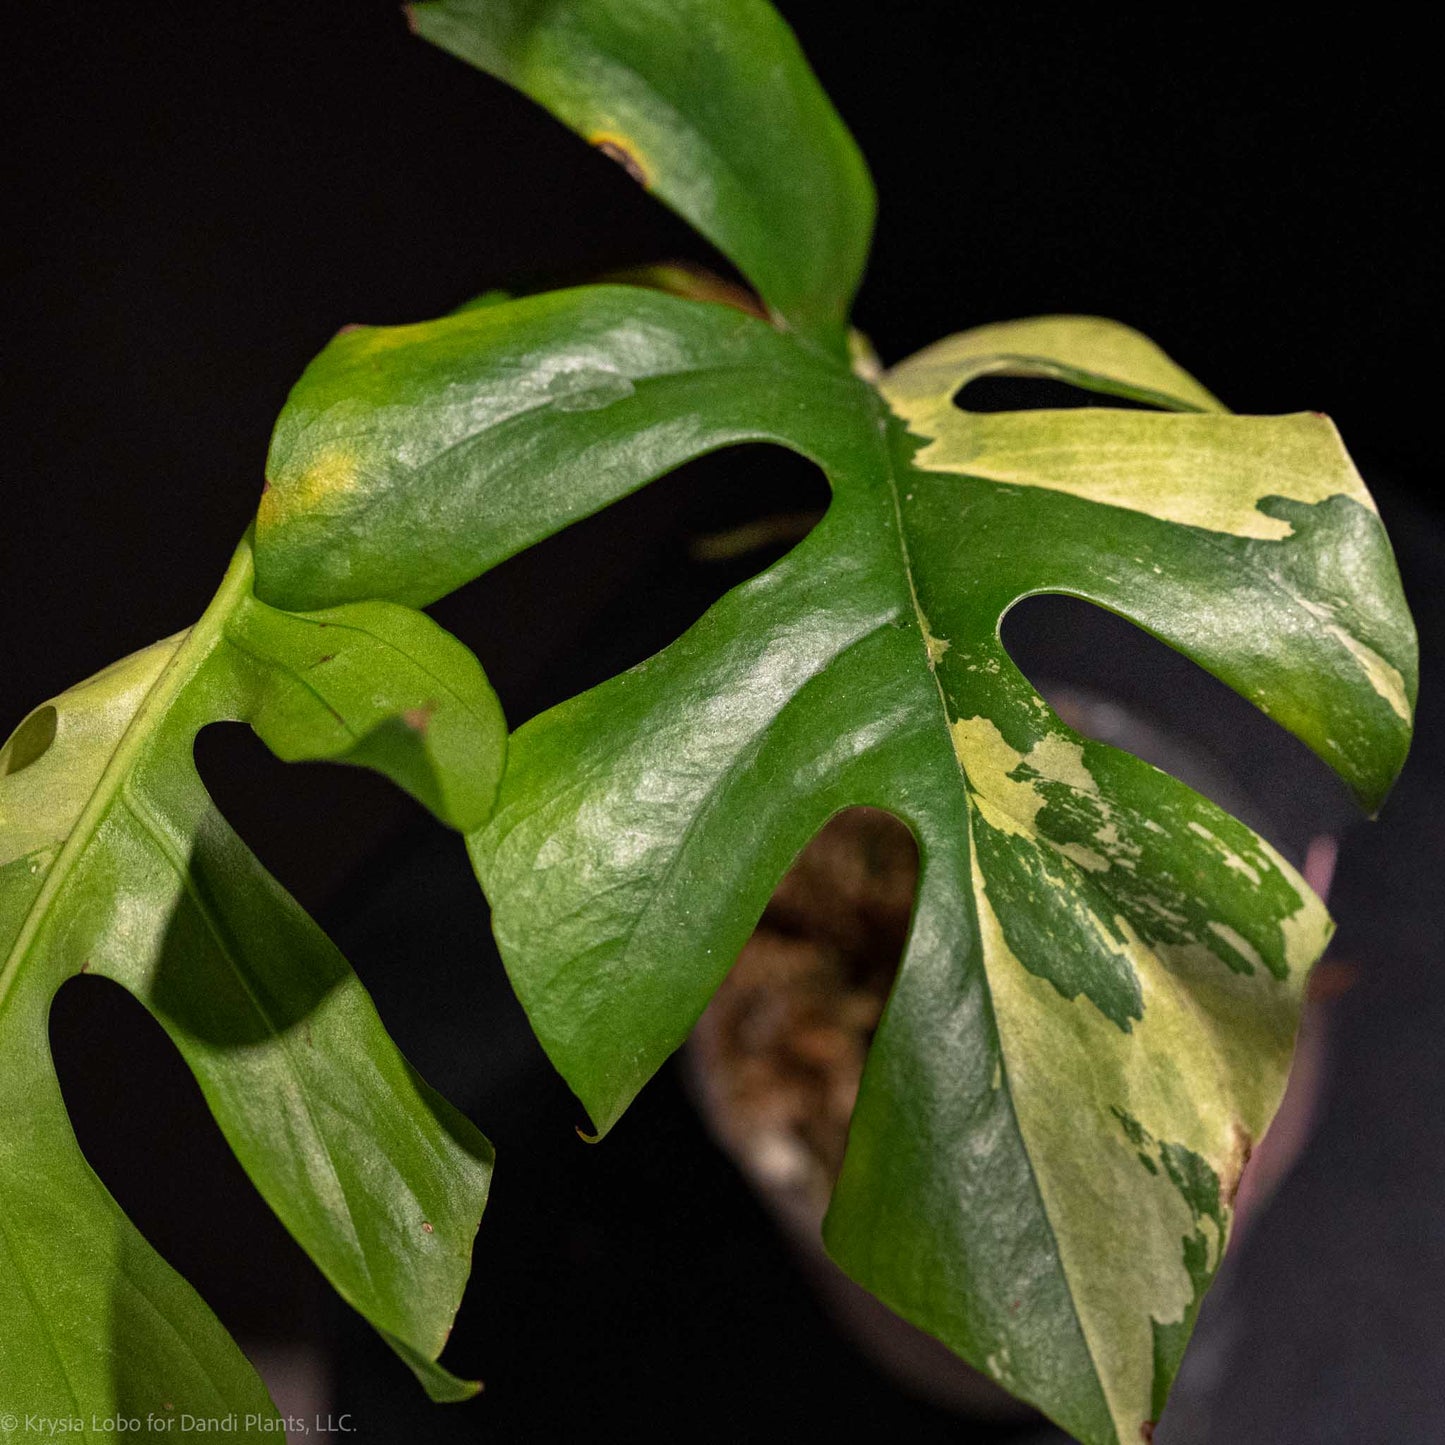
<point x="1202" y="468"/>
<point x="1086" y="350"/>
<point x="1012" y="805"/>
<point x="1203" y="1069"/>
<point x="1384" y="677"/>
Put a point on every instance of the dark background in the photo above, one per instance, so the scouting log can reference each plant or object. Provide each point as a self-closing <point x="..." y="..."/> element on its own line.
<point x="197" y="197"/>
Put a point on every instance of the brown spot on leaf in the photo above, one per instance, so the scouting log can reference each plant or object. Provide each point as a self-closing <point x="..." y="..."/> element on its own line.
<point x="615" y="148"/>
<point x="1146" y="1430"/>
<point x="427" y="1227"/>
<point x="85" y="967"/>
<point x="328" y="657"/>
<point x="1241" y="1147"/>
<point x="349" y="328"/>
<point x="418" y="719"/>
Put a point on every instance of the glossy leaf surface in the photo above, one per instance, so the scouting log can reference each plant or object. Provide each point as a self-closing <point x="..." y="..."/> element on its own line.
<point x="502" y="424"/>
<point x="114" y="861"/>
<point x="1094" y="1015"/>
<point x="711" y="105"/>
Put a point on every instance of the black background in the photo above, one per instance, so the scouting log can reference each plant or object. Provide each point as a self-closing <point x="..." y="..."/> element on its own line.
<point x="197" y="197"/>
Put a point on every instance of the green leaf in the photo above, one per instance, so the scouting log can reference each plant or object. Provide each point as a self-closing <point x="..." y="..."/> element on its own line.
<point x="708" y="103"/>
<point x="114" y="861"/>
<point x="1095" y="1012"/>
<point x="409" y="459"/>
<point x="382" y="687"/>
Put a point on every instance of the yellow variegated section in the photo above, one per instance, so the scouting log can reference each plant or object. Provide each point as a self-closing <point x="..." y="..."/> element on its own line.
<point x="1204" y="1068"/>
<point x="1205" y="468"/>
<point x="1088" y="351"/>
<point x="1199" y="471"/>
<point x="1012" y="804"/>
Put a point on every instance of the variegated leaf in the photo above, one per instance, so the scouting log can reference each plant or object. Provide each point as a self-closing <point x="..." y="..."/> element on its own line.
<point x="1095" y="1011"/>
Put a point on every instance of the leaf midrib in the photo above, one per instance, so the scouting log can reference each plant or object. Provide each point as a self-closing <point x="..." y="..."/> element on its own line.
<point x="885" y="419"/>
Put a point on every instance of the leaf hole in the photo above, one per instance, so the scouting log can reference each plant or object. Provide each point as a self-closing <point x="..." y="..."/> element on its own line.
<point x="310" y="824"/>
<point x="1114" y="683"/>
<point x="777" y="1057"/>
<point x="775" y="1062"/>
<point x="1035" y="393"/>
<point x="617" y="587"/>
<point x="394" y="890"/>
<point x="144" y="1128"/>
<point x="30" y="741"/>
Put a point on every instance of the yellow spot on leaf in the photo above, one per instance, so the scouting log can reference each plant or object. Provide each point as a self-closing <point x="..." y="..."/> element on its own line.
<point x="328" y="474"/>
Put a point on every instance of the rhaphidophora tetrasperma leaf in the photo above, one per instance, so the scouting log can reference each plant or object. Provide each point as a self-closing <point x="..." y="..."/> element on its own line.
<point x="114" y="861"/>
<point x="1095" y="1010"/>
<point x="1094" y="1014"/>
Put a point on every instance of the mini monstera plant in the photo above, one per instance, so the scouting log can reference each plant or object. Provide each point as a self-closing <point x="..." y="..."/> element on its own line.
<point x="1093" y="1017"/>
